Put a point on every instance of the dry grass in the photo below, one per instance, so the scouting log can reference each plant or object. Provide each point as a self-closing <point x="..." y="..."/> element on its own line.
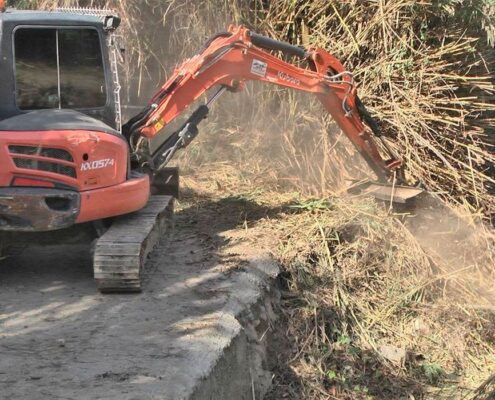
<point x="424" y="74"/>
<point x="361" y="284"/>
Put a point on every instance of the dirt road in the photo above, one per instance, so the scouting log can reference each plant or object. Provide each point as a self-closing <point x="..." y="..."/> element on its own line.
<point x="60" y="339"/>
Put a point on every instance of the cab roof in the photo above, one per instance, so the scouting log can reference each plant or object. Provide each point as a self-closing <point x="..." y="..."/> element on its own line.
<point x="30" y="17"/>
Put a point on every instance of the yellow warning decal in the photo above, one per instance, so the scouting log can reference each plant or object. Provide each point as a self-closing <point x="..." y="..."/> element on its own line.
<point x="159" y="125"/>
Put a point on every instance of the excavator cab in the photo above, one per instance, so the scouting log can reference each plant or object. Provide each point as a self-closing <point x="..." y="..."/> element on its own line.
<point x="64" y="159"/>
<point x="65" y="172"/>
<point x="58" y="61"/>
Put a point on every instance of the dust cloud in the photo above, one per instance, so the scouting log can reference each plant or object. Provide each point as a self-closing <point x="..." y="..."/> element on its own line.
<point x="462" y="251"/>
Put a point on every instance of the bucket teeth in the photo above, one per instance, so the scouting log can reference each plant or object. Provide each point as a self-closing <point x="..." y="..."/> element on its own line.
<point x="120" y="254"/>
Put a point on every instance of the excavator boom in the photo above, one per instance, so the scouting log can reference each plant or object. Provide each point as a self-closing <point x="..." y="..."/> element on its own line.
<point x="229" y="60"/>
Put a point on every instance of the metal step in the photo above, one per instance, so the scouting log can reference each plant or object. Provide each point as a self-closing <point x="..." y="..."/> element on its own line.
<point x="121" y="253"/>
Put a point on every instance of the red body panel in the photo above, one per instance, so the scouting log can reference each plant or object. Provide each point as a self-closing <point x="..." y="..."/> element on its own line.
<point x="96" y="145"/>
<point x="97" y="168"/>
<point x="112" y="201"/>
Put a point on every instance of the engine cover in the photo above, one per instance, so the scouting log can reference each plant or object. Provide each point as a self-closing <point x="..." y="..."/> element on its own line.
<point x="64" y="147"/>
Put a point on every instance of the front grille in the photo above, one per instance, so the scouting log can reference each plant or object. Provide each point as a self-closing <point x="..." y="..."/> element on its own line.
<point x="48" y="152"/>
<point x="45" y="166"/>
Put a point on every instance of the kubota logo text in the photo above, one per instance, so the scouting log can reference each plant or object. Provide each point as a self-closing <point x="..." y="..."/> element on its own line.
<point x="98" y="164"/>
<point x="288" y="78"/>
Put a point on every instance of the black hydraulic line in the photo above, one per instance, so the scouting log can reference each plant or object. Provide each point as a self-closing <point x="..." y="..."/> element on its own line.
<point x="272" y="44"/>
<point x="140" y="119"/>
<point x="212" y="39"/>
<point x="366" y="116"/>
<point x="170" y="88"/>
<point x="130" y="125"/>
<point x="185" y="134"/>
<point x="371" y="122"/>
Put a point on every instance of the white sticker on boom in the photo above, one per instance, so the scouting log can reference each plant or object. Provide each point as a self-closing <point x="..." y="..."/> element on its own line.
<point x="259" y="68"/>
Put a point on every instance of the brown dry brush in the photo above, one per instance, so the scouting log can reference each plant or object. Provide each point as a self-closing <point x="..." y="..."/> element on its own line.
<point x="374" y="306"/>
<point x="425" y="71"/>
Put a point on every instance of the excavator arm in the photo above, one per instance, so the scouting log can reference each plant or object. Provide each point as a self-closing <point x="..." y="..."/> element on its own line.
<point x="228" y="61"/>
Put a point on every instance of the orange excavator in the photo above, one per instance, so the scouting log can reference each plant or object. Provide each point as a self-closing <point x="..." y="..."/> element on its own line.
<point x="69" y="167"/>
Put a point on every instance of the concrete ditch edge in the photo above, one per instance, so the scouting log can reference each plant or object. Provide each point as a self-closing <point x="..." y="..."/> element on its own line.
<point x="241" y="370"/>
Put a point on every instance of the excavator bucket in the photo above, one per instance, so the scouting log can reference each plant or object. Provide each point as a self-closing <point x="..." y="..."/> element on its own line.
<point x="392" y="193"/>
